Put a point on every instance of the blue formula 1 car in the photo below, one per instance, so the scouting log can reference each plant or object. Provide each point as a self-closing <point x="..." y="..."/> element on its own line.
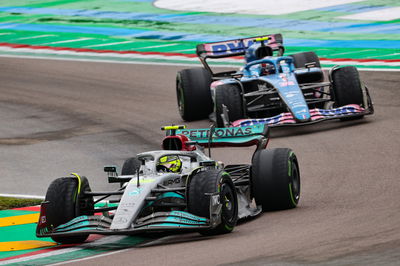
<point x="176" y="189"/>
<point x="270" y="89"/>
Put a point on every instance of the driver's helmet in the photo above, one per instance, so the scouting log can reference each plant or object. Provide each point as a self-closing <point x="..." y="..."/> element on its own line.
<point x="169" y="163"/>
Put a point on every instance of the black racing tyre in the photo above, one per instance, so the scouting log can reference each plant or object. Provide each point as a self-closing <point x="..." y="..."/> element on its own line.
<point x="346" y="86"/>
<point x="193" y="93"/>
<point x="130" y="166"/>
<point x="301" y="59"/>
<point x="275" y="179"/>
<point x="228" y="95"/>
<point x="211" y="181"/>
<point x="65" y="204"/>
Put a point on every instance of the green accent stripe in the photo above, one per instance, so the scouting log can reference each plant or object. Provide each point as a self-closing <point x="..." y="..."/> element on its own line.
<point x="19" y="233"/>
<point x="27" y="232"/>
<point x="291" y="196"/>
<point x="86" y="252"/>
<point x="290" y="164"/>
<point x="10" y="213"/>
<point x="227" y="227"/>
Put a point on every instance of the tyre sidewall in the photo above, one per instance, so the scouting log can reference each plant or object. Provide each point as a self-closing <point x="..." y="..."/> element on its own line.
<point x="61" y="197"/>
<point x="211" y="181"/>
<point x="346" y="86"/>
<point x="193" y="92"/>
<point x="130" y="166"/>
<point x="228" y="95"/>
<point x="273" y="183"/>
<point x="65" y="203"/>
<point x="301" y="59"/>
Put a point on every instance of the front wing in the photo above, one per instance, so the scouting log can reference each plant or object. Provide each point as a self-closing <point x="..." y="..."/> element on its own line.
<point x="99" y="224"/>
<point x="170" y="221"/>
<point x="317" y="115"/>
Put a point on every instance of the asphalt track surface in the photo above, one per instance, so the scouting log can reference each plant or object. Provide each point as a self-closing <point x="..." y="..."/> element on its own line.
<point x="63" y="116"/>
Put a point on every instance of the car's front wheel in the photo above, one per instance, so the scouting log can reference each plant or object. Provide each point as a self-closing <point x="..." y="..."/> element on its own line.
<point x="228" y="95"/>
<point x="214" y="181"/>
<point x="66" y="203"/>
<point x="346" y="87"/>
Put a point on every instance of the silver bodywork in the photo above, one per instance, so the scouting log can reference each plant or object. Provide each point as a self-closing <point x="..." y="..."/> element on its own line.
<point x="133" y="199"/>
<point x="139" y="191"/>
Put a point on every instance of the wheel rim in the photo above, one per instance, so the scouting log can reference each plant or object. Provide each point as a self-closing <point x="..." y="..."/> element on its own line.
<point x="228" y="203"/>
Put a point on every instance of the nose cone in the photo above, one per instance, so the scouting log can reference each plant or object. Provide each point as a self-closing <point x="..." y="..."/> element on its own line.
<point x="292" y="95"/>
<point x="301" y="113"/>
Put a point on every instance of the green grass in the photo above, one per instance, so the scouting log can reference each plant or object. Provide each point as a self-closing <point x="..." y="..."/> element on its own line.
<point x="10" y="203"/>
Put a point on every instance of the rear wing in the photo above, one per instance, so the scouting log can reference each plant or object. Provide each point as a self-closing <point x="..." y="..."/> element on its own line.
<point x="237" y="47"/>
<point x="229" y="137"/>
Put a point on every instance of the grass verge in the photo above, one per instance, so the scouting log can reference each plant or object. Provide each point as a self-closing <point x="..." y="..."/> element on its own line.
<point x="10" y="203"/>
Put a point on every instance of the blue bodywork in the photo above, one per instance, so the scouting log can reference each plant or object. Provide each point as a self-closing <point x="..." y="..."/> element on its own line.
<point x="278" y="91"/>
<point x="270" y="89"/>
<point x="280" y="73"/>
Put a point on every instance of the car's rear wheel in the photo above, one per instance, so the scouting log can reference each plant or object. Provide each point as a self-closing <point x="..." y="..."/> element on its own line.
<point x="346" y="87"/>
<point x="301" y="59"/>
<point x="275" y="179"/>
<point x="315" y="76"/>
<point x="193" y="93"/>
<point x="65" y="203"/>
<point x="212" y="181"/>
<point x="228" y="95"/>
<point x="130" y="166"/>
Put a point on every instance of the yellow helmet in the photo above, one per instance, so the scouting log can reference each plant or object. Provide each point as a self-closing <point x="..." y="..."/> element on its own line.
<point x="169" y="163"/>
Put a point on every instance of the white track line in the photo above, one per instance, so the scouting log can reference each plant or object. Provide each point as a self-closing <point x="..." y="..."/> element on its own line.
<point x="111" y="61"/>
<point x="115" y="61"/>
<point x="103" y="241"/>
<point x="352" y="52"/>
<point x="22" y="196"/>
<point x="91" y="257"/>
<point x="39" y="256"/>
<point x="356" y="63"/>
<point x="175" y="57"/>
<point x="68" y="41"/>
<point x="108" y="44"/>
<point x="153" y="242"/>
<point x="185" y="50"/>
<point x="35" y="37"/>
<point x="384" y="55"/>
<point x="157" y="46"/>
